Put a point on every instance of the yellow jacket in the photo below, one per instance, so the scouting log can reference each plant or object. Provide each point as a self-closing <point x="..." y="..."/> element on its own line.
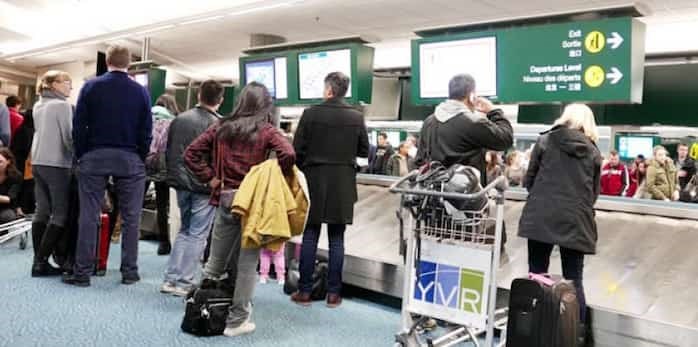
<point x="272" y="209"/>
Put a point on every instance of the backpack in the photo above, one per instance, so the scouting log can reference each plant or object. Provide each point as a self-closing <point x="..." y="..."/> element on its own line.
<point x="155" y="160"/>
<point x="319" y="280"/>
<point x="207" y="308"/>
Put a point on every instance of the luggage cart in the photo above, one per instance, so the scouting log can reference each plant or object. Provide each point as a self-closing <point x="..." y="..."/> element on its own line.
<point x="450" y="265"/>
<point x="19" y="227"/>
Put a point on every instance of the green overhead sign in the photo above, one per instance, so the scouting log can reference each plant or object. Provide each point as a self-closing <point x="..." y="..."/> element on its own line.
<point x="588" y="61"/>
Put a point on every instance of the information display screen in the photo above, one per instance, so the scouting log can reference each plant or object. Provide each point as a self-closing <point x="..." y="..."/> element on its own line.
<point x="142" y="79"/>
<point x="440" y="61"/>
<point x="314" y="67"/>
<point x="271" y="73"/>
<point x="631" y="146"/>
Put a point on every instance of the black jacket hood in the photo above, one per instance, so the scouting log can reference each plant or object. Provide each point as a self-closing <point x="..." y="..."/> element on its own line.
<point x="571" y="141"/>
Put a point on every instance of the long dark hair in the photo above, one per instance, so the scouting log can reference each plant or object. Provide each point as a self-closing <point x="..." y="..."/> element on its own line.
<point x="169" y="102"/>
<point x="12" y="171"/>
<point x="254" y="108"/>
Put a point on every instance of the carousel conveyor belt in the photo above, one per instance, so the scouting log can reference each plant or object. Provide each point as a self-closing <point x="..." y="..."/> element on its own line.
<point x="642" y="285"/>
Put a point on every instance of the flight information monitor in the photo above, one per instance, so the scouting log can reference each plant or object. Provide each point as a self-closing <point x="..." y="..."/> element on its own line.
<point x="271" y="73"/>
<point x="440" y="61"/>
<point x="630" y="147"/>
<point x="314" y="67"/>
<point x="142" y="79"/>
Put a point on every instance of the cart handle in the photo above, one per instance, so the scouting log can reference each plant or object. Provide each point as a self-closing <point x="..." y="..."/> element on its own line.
<point x="500" y="183"/>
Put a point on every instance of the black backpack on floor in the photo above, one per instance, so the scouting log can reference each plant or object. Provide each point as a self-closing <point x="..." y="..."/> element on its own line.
<point x="319" y="280"/>
<point x="207" y="308"/>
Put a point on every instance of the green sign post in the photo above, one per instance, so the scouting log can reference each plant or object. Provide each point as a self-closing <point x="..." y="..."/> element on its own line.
<point x="598" y="61"/>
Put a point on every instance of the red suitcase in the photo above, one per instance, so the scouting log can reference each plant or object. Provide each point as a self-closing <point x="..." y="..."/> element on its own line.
<point x="103" y="246"/>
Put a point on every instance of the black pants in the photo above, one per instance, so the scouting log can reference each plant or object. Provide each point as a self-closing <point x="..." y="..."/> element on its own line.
<point x="162" y="199"/>
<point x="572" y="267"/>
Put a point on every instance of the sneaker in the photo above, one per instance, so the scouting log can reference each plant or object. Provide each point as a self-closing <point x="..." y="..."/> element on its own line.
<point x="130" y="279"/>
<point x="244" y="328"/>
<point x="262" y="280"/>
<point x="168" y="288"/>
<point x="77" y="281"/>
<point x="281" y="282"/>
<point x="179" y="291"/>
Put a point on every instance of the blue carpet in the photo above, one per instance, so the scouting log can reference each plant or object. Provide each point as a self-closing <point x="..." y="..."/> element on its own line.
<point x="45" y="312"/>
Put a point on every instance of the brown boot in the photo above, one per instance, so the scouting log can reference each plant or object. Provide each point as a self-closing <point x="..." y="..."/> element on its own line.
<point x="302" y="299"/>
<point x="333" y="300"/>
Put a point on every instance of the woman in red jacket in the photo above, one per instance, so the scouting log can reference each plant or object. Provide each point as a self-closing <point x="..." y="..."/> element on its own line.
<point x="14" y="103"/>
<point x="222" y="156"/>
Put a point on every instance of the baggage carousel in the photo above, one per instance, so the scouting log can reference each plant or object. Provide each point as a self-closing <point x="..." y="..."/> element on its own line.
<point x="641" y="285"/>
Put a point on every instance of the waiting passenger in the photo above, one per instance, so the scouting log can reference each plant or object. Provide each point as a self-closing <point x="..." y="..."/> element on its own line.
<point x="563" y="182"/>
<point x="4" y="125"/>
<point x="494" y="166"/>
<point x="614" y="176"/>
<point x="112" y="130"/>
<point x="14" y="104"/>
<point x="21" y="147"/>
<point x="10" y="185"/>
<point x="222" y="156"/>
<point x="164" y="111"/>
<point x="328" y="159"/>
<point x="52" y="160"/>
<point x="638" y="182"/>
<point x="514" y="170"/>
<point x="662" y="180"/>
<point x="399" y="163"/>
<point x="384" y="151"/>
<point x="686" y="166"/>
<point x="462" y="128"/>
<point x="196" y="214"/>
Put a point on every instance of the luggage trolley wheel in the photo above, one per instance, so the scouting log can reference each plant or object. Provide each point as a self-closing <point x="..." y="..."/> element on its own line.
<point x="23" y="241"/>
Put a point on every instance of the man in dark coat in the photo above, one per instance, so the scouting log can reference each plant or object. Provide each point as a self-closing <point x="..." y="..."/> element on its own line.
<point x="463" y="128"/>
<point x="329" y="138"/>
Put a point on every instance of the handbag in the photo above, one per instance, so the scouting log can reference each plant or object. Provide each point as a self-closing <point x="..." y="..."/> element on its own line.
<point x="207" y="308"/>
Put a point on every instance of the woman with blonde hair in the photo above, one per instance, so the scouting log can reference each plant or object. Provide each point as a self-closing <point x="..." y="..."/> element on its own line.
<point x="52" y="161"/>
<point x="563" y="182"/>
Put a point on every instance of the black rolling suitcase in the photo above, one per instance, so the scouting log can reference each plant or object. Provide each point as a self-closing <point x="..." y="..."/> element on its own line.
<point x="542" y="313"/>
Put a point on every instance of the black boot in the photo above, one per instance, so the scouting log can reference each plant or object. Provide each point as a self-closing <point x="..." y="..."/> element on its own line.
<point x="41" y="266"/>
<point x="38" y="230"/>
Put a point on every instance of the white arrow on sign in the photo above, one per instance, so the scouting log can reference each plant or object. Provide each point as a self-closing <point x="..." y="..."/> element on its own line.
<point x="616" y="40"/>
<point x="614" y="76"/>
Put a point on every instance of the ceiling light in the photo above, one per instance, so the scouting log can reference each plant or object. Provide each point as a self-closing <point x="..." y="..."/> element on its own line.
<point x="263" y="8"/>
<point x="152" y="30"/>
<point x="201" y="20"/>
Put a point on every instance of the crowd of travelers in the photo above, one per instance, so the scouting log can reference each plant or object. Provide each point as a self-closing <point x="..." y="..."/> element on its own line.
<point x="59" y="162"/>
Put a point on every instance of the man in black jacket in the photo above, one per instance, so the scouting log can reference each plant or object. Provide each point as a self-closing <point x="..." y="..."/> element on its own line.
<point x="686" y="166"/>
<point x="463" y="128"/>
<point x="192" y="197"/>
<point x="329" y="138"/>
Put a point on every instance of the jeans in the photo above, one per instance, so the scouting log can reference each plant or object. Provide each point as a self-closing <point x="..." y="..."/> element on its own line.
<point x="196" y="218"/>
<point x="245" y="283"/>
<point x="225" y="245"/>
<point x="52" y="192"/>
<point x="128" y="172"/>
<point x="309" y="251"/>
<point x="572" y="267"/>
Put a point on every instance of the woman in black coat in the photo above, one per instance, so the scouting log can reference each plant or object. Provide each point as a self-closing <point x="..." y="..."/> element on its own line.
<point x="563" y="182"/>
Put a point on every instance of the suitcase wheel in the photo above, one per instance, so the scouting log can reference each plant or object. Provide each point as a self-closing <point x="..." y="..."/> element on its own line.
<point x="23" y="242"/>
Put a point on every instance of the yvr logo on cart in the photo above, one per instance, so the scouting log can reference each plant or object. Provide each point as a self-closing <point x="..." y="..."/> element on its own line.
<point x="450" y="286"/>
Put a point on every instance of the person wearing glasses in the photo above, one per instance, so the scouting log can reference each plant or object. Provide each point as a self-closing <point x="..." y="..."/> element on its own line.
<point x="52" y="161"/>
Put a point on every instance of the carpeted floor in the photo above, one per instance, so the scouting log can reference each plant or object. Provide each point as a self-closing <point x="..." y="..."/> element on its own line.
<point x="45" y="312"/>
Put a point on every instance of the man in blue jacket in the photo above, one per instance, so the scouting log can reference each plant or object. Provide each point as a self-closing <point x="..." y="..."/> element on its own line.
<point x="112" y="133"/>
